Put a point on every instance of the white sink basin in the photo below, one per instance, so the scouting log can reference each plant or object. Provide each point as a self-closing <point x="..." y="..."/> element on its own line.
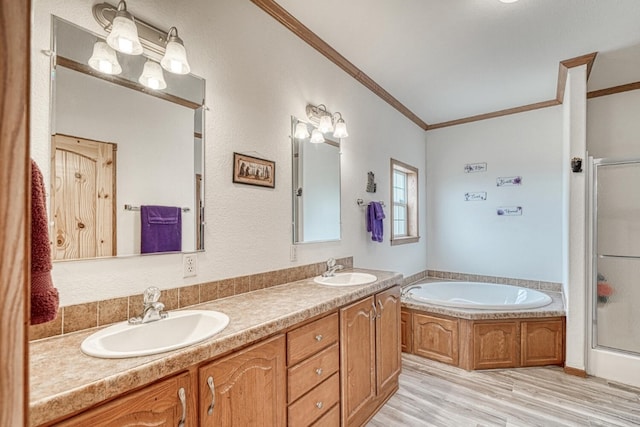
<point x="346" y="279"/>
<point x="179" y="329"/>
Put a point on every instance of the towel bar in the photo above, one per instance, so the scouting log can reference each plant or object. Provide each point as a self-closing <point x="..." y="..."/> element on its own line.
<point x="361" y="202"/>
<point x="137" y="208"/>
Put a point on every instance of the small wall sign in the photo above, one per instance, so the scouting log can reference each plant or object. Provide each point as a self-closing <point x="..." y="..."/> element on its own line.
<point x="505" y="181"/>
<point x="509" y="211"/>
<point x="475" y="167"/>
<point x="475" y="196"/>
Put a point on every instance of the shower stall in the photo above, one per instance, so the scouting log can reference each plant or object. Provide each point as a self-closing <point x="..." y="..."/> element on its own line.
<point x="614" y="298"/>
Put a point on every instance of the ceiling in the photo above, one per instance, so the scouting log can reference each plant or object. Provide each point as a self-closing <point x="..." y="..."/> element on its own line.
<point x="450" y="59"/>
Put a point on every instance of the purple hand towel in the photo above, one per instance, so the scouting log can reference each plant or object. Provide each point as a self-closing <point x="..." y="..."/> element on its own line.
<point x="375" y="215"/>
<point x="161" y="229"/>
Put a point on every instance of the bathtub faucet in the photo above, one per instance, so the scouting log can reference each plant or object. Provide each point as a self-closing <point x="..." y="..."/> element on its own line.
<point x="332" y="267"/>
<point x="405" y="291"/>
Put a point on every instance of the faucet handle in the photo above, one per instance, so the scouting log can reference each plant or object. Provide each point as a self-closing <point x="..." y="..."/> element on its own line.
<point x="151" y="295"/>
<point x="331" y="262"/>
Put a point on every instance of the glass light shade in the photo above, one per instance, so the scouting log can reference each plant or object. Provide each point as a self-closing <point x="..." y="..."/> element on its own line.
<point x="175" y="57"/>
<point x="341" y="129"/>
<point x="124" y="34"/>
<point x="325" y="124"/>
<point x="316" y="137"/>
<point x="301" y="131"/>
<point x="152" y="76"/>
<point x="104" y="59"/>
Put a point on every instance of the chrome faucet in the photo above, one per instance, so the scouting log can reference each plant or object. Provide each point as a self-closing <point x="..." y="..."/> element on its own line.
<point x="152" y="310"/>
<point x="332" y="267"/>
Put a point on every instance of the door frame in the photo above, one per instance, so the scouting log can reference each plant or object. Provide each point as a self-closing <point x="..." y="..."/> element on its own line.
<point x="15" y="218"/>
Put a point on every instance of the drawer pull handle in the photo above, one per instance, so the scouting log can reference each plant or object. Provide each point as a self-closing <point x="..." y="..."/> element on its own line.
<point x="318" y="337"/>
<point x="183" y="400"/>
<point x="319" y="405"/>
<point x="319" y="371"/>
<point x="212" y="387"/>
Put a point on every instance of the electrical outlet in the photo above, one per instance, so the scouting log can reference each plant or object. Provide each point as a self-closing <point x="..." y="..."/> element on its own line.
<point x="189" y="265"/>
<point x="293" y="255"/>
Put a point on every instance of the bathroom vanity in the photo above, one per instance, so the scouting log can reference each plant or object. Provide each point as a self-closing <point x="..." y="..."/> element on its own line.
<point x="295" y="354"/>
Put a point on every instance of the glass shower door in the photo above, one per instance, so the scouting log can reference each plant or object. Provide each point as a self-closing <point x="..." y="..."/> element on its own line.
<point x="616" y="276"/>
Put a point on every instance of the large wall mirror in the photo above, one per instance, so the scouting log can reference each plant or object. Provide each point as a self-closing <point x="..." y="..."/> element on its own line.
<point x="117" y="146"/>
<point x="316" y="188"/>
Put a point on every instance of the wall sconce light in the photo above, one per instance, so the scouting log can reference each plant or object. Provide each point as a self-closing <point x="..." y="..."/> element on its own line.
<point x="301" y="131"/>
<point x="104" y="59"/>
<point x="326" y="121"/>
<point x="130" y="35"/>
<point x="124" y="33"/>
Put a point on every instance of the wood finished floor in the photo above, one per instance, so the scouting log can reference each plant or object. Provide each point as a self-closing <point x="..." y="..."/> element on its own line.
<point x="434" y="394"/>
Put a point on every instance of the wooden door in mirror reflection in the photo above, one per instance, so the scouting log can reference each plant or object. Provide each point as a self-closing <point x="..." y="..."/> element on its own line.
<point x="83" y="198"/>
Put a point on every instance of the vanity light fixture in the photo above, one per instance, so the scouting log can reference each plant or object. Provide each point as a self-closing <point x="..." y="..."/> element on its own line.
<point x="104" y="59"/>
<point x="316" y="137"/>
<point x="124" y="32"/>
<point x="326" y="121"/>
<point x="152" y="76"/>
<point x="301" y="131"/>
<point x="175" y="55"/>
<point x="129" y="35"/>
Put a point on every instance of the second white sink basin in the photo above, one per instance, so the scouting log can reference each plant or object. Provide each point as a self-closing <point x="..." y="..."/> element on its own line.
<point x="346" y="279"/>
<point x="179" y="329"/>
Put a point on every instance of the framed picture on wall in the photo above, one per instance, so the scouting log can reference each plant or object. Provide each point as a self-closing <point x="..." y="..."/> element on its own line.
<point x="253" y="171"/>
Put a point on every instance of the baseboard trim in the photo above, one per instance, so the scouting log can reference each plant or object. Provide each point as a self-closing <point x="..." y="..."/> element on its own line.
<point x="575" y="372"/>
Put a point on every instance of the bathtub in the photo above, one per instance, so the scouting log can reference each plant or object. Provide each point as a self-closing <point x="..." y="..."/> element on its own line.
<point x="477" y="295"/>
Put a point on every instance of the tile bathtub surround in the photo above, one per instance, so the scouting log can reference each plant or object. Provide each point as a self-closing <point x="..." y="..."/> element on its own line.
<point x="64" y="381"/>
<point x="532" y="284"/>
<point x="84" y="316"/>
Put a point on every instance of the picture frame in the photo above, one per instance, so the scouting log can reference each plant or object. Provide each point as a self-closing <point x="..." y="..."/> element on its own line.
<point x="253" y="171"/>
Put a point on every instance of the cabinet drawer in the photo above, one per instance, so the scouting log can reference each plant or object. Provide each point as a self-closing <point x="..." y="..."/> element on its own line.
<point x="306" y="375"/>
<point x="330" y="419"/>
<point x="311" y="338"/>
<point x="316" y="403"/>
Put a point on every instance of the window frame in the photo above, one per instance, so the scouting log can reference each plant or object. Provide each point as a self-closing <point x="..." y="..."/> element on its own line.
<point x="412" y="230"/>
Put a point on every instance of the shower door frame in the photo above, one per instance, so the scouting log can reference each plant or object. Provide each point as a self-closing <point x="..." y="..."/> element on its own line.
<point x="606" y="362"/>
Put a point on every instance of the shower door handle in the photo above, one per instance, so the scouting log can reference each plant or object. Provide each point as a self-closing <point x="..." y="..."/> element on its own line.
<point x="618" y="256"/>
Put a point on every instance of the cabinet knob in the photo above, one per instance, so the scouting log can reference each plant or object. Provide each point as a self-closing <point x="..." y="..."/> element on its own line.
<point x="319" y="371"/>
<point x="319" y="405"/>
<point x="318" y="337"/>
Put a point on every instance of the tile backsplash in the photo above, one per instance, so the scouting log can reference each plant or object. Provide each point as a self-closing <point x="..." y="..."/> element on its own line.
<point x="99" y="313"/>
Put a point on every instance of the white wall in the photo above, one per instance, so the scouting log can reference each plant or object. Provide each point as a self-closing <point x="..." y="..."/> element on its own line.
<point x="147" y="151"/>
<point x="258" y="75"/>
<point x="575" y="216"/>
<point x="469" y="237"/>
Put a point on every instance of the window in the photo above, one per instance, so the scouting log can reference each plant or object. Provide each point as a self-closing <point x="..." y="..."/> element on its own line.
<point x="404" y="196"/>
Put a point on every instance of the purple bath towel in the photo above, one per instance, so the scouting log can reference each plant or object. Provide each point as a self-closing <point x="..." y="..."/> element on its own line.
<point x="375" y="215"/>
<point x="161" y="229"/>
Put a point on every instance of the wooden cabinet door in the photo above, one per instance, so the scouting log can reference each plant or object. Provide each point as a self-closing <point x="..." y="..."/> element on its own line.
<point x="246" y="388"/>
<point x="388" y="353"/>
<point x="160" y="404"/>
<point x="357" y="360"/>
<point x="436" y="338"/>
<point x="542" y="342"/>
<point x="406" y="334"/>
<point x="495" y="345"/>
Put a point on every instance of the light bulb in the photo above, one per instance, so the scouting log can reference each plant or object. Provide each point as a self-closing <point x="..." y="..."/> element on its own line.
<point x="325" y="124"/>
<point x="341" y="129"/>
<point x="152" y="76"/>
<point x="104" y="59"/>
